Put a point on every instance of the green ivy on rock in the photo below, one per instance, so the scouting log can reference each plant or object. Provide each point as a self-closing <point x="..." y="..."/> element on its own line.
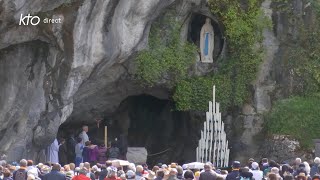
<point x="243" y="29"/>
<point x="167" y="58"/>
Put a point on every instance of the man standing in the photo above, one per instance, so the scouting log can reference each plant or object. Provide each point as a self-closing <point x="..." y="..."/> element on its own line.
<point x="71" y="144"/>
<point x="55" y="173"/>
<point x="63" y="160"/>
<point x="21" y="174"/>
<point x="83" y="135"/>
<point x="208" y="173"/>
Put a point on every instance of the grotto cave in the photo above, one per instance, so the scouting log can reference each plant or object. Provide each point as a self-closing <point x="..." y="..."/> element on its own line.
<point x="145" y="121"/>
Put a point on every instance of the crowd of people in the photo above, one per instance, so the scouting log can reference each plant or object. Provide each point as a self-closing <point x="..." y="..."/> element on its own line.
<point x="263" y="170"/>
<point x="82" y="160"/>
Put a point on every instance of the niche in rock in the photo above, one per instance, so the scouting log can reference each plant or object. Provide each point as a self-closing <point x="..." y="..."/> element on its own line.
<point x="196" y="23"/>
<point x="146" y="121"/>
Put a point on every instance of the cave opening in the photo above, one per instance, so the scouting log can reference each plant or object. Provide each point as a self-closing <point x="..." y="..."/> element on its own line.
<point x="195" y="25"/>
<point x="146" y="121"/>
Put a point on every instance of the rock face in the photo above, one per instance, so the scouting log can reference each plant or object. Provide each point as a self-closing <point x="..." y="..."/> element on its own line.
<point x="76" y="70"/>
<point x="274" y="81"/>
<point x="82" y="69"/>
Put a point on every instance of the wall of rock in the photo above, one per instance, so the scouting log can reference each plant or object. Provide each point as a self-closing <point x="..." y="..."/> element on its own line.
<point x="83" y="68"/>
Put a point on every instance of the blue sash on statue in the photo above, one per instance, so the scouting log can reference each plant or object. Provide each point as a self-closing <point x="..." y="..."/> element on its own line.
<point x="206" y="44"/>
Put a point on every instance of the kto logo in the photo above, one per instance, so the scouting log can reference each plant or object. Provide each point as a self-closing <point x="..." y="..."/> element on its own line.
<point x="33" y="20"/>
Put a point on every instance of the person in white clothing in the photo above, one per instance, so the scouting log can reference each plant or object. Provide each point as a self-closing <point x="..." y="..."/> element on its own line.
<point x="257" y="174"/>
<point x="52" y="152"/>
<point x="83" y="135"/>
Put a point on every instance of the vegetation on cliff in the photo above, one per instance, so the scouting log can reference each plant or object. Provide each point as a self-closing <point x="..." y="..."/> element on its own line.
<point x="243" y="30"/>
<point x="297" y="117"/>
<point x="166" y="56"/>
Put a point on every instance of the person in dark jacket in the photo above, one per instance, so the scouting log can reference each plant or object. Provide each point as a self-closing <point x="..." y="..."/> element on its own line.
<point x="21" y="174"/>
<point x="55" y="173"/>
<point x="208" y="173"/>
<point x="71" y="144"/>
<point x="63" y="159"/>
<point x="113" y="152"/>
<point x="103" y="173"/>
<point x="7" y="174"/>
<point x="245" y="174"/>
<point x="85" y="152"/>
<point x="235" y="171"/>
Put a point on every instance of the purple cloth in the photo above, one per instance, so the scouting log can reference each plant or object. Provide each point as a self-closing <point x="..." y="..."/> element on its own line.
<point x="102" y="158"/>
<point x="93" y="153"/>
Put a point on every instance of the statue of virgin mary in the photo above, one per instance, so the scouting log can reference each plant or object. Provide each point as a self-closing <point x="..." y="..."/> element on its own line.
<point x="207" y="42"/>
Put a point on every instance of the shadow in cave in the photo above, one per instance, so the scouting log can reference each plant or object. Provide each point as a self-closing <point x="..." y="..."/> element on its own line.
<point x="149" y="122"/>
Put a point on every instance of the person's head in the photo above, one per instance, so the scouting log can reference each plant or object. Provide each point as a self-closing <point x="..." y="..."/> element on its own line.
<point x="150" y="176"/>
<point x="298" y="161"/>
<point x="130" y="174"/>
<point x="160" y="173"/>
<point x="155" y="168"/>
<point x="6" y="172"/>
<point x="86" y="165"/>
<point x="62" y="141"/>
<point x="83" y="171"/>
<point x="272" y="176"/>
<point x="85" y="128"/>
<point x="79" y="140"/>
<point x="251" y="160"/>
<point x="272" y="163"/>
<point x="31" y="177"/>
<point x="254" y="166"/>
<point x="45" y="169"/>
<point x="72" y="166"/>
<point x="173" y="165"/>
<point x="56" y="167"/>
<point x="23" y="163"/>
<point x="188" y="175"/>
<point x="301" y="176"/>
<point x="67" y="167"/>
<point x="173" y="172"/>
<point x="236" y="165"/>
<point x="139" y="169"/>
<point x="275" y="170"/>
<point x="108" y="163"/>
<point x="113" y="171"/>
<point x="29" y="163"/>
<point x="224" y="172"/>
<point x="317" y="160"/>
<point x="102" y="145"/>
<point x="164" y="166"/>
<point x="207" y="167"/>
<point x="264" y="160"/>
<point x="180" y="170"/>
<point x="87" y="143"/>
<point x="33" y="171"/>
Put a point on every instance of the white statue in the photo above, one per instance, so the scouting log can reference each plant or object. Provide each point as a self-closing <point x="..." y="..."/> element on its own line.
<point x="207" y="42"/>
